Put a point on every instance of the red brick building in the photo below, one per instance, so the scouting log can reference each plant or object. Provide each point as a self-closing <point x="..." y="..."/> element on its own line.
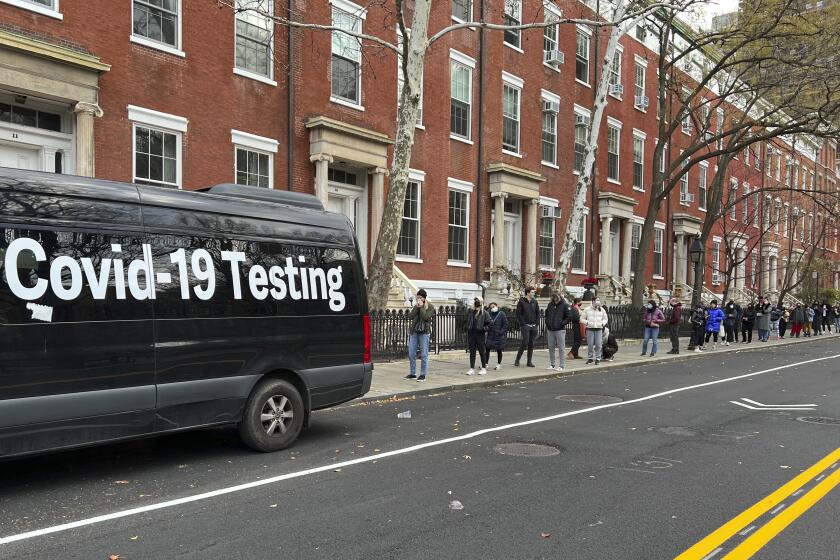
<point x="188" y="94"/>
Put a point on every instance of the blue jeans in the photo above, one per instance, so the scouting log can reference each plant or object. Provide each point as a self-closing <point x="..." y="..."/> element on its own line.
<point x="763" y="335"/>
<point x="421" y="340"/>
<point x="651" y="333"/>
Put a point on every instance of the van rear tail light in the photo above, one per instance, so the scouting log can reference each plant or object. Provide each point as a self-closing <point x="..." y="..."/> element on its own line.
<point x="366" y="357"/>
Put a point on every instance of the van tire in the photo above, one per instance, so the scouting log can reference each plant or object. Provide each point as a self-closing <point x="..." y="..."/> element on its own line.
<point x="274" y="416"/>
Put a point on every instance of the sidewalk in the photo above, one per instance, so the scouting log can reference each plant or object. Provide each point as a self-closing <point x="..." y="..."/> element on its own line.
<point x="447" y="370"/>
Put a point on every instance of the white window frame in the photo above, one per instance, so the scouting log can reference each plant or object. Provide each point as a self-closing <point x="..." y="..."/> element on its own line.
<point x="615" y="71"/>
<point x="639" y="62"/>
<point x="614" y="125"/>
<point x="176" y="50"/>
<point x="547" y="203"/>
<point x="360" y="13"/>
<point x="684" y="186"/>
<point x="254" y="143"/>
<point x="786" y="229"/>
<point x="418" y="177"/>
<point x="37" y="8"/>
<point x="468" y="63"/>
<point x="716" y="241"/>
<point x="459" y="20"/>
<point x="703" y="186"/>
<point x="581" y="243"/>
<point x="466" y="188"/>
<point x="635" y="240"/>
<point x="641" y="137"/>
<point x="733" y="196"/>
<point x="583" y="112"/>
<point x="516" y="16"/>
<point x="517" y="84"/>
<point x="551" y="13"/>
<point x="247" y="73"/>
<point x="164" y="122"/>
<point x="746" y="212"/>
<point x="551" y="98"/>
<point x="659" y="234"/>
<point x="686" y="126"/>
<point x="587" y="33"/>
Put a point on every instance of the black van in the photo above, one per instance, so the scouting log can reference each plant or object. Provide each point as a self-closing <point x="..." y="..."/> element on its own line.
<point x="128" y="311"/>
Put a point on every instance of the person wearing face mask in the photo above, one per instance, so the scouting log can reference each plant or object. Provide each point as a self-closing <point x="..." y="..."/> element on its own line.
<point x="652" y="319"/>
<point x="762" y="320"/>
<point x="714" y="317"/>
<point x="674" y="325"/>
<point x="528" y="312"/>
<point x="557" y="316"/>
<point x="698" y="325"/>
<point x="577" y="330"/>
<point x="730" y="321"/>
<point x="594" y="318"/>
<point x="478" y="323"/>
<point x="497" y="334"/>
<point x="610" y="346"/>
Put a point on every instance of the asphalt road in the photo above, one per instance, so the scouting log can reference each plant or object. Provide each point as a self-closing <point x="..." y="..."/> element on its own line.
<point x="646" y="479"/>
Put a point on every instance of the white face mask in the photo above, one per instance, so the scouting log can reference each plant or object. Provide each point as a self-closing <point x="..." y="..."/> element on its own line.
<point x="494" y="309"/>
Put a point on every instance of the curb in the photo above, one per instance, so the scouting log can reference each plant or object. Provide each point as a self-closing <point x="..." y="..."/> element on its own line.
<point x="407" y="395"/>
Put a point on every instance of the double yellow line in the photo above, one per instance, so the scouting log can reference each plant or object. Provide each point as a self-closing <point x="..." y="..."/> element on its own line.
<point x="768" y="531"/>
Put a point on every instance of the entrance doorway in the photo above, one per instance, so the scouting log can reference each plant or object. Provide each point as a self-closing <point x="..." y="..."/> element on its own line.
<point x="344" y="197"/>
<point x="19" y="157"/>
<point x="513" y="236"/>
<point x="615" y="248"/>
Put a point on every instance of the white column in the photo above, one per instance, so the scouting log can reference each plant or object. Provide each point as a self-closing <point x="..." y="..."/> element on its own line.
<point x="85" y="153"/>
<point x="626" y="250"/>
<point x="499" y="245"/>
<point x="774" y="273"/>
<point x="533" y="232"/>
<point x="740" y="256"/>
<point x="377" y="197"/>
<point x="679" y="273"/>
<point x="322" y="167"/>
<point x="605" y="244"/>
<point x="765" y="274"/>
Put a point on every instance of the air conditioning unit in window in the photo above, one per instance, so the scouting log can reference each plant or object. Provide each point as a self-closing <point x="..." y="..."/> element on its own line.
<point x="551" y="212"/>
<point x="554" y="56"/>
<point x="617" y="89"/>
<point x="686" y="198"/>
<point x="642" y="101"/>
<point x="551" y="106"/>
<point x="770" y="151"/>
<point x="582" y="119"/>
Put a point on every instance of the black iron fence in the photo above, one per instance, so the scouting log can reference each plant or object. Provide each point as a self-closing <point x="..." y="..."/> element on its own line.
<point x="390" y="329"/>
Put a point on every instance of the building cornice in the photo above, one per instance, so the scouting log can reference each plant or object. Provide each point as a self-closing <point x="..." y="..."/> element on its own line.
<point x="344" y="128"/>
<point x="512" y="170"/>
<point x="52" y="52"/>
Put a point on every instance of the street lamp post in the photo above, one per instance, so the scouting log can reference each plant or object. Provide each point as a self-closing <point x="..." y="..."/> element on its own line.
<point x="695" y="254"/>
<point x="816" y="276"/>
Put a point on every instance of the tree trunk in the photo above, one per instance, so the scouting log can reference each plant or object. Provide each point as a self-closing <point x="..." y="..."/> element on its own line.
<point x="381" y="268"/>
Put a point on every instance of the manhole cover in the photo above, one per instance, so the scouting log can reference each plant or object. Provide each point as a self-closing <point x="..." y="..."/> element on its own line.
<point x="526" y="449"/>
<point x="591" y="399"/>
<point x="819" y="420"/>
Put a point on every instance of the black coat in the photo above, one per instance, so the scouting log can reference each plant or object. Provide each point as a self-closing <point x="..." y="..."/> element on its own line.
<point x="748" y="318"/>
<point x="497" y="335"/>
<point x="528" y="312"/>
<point x="478" y="322"/>
<point x="557" y="315"/>
<point x="610" y="347"/>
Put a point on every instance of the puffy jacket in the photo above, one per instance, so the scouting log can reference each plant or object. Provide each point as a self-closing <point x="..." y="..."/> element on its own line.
<point x="798" y="316"/>
<point x="594" y="319"/>
<point x="497" y="335"/>
<point x="478" y="322"/>
<point x="653" y="318"/>
<point x="731" y="315"/>
<point x="528" y="312"/>
<point x="557" y="315"/>
<point x="715" y="318"/>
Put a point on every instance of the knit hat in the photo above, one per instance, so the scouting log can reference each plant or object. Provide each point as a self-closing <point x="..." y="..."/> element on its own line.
<point x="421" y="292"/>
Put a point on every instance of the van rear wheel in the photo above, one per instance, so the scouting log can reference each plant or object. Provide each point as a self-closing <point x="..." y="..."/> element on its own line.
<point x="273" y="416"/>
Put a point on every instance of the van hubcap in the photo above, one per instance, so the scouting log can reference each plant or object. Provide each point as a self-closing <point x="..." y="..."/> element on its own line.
<point x="276" y="415"/>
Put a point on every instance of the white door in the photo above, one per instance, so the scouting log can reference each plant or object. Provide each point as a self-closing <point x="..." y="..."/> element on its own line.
<point x="513" y="241"/>
<point x="15" y="156"/>
<point x="350" y="201"/>
<point x="614" y="248"/>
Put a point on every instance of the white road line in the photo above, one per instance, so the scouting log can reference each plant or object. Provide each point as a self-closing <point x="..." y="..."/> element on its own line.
<point x="777" y="509"/>
<point x="785" y="405"/>
<point x="769" y="409"/>
<point x="822" y="476"/>
<point x="798" y="492"/>
<point x="747" y="531"/>
<point x="712" y="554"/>
<point x="377" y="457"/>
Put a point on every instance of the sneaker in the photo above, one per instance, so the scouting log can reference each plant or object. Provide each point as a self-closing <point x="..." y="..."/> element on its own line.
<point x="471" y="371"/>
<point x="411" y="376"/>
<point x="482" y="371"/>
<point x="643" y="354"/>
<point x="588" y="361"/>
<point x="652" y="354"/>
<point x="597" y="362"/>
<point x="498" y="367"/>
<point x="421" y="378"/>
<point x="697" y="349"/>
<point x="558" y="369"/>
<point x="611" y="360"/>
<point x="551" y="368"/>
<point x="515" y="364"/>
<point x="530" y="365"/>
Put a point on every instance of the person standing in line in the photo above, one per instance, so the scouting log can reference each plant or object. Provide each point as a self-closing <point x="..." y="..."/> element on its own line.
<point x="674" y="325"/>
<point x="809" y="320"/>
<point x="557" y="316"/>
<point x="797" y="319"/>
<point x="836" y="312"/>
<point x="528" y="312"/>
<point x="826" y="317"/>
<point x="653" y="318"/>
<point x="730" y="322"/>
<point x="609" y="346"/>
<point x="714" y="318"/>
<point x="420" y="319"/>
<point x="739" y="313"/>
<point x="594" y="318"/>
<point x="577" y="330"/>
<point x="478" y="322"/>
<point x="747" y="323"/>
<point x="496" y="335"/>
<point x="698" y="326"/>
<point x="817" y="326"/>
<point x="762" y="320"/>
<point x="775" y="315"/>
<point x="783" y="322"/>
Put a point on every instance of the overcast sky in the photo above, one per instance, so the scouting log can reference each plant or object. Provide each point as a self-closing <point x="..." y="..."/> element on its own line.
<point x="715" y="7"/>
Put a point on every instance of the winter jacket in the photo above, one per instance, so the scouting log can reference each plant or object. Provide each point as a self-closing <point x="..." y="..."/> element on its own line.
<point x="715" y="318"/>
<point x="809" y="314"/>
<point x="528" y="312"/>
<point x="762" y="317"/>
<point x="775" y="314"/>
<point x="478" y="321"/>
<point x="798" y="316"/>
<point x="698" y="318"/>
<point x="676" y="315"/>
<point x="594" y="319"/>
<point x="497" y="335"/>
<point x="610" y="347"/>
<point x="653" y="318"/>
<point x="730" y="315"/>
<point x="748" y="317"/>
<point x="424" y="314"/>
<point x="557" y="315"/>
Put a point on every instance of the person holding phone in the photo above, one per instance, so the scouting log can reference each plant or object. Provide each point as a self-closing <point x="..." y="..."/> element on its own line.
<point x="420" y="320"/>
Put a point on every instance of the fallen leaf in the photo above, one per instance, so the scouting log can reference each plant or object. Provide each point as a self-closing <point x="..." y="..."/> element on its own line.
<point x="545" y="535"/>
<point x="273" y="506"/>
<point x="337" y="470"/>
<point x="120" y="482"/>
<point x="114" y="557"/>
<point x="135" y="538"/>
